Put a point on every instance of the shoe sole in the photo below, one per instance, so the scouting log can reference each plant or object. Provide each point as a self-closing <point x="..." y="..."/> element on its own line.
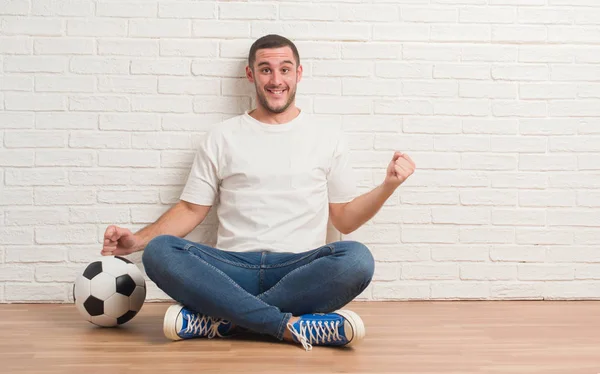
<point x="358" y="327"/>
<point x="170" y="322"/>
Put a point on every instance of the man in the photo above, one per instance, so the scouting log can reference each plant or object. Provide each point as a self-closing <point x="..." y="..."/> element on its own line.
<point x="277" y="177"/>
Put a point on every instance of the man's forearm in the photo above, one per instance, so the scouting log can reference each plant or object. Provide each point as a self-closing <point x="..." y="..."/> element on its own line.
<point x="178" y="221"/>
<point x="364" y="207"/>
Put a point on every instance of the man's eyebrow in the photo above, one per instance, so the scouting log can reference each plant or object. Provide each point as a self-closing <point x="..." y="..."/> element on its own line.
<point x="283" y="62"/>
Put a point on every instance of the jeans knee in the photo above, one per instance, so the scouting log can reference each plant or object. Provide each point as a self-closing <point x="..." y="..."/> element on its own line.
<point x="364" y="263"/>
<point x="154" y="253"/>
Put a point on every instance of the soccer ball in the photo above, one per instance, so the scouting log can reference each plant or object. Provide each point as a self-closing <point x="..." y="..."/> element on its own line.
<point x="110" y="291"/>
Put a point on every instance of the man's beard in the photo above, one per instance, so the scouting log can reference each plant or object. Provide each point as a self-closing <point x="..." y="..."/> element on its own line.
<point x="262" y="97"/>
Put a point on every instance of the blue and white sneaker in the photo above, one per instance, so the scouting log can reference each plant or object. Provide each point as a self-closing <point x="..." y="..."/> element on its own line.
<point x="342" y="327"/>
<point x="182" y="323"/>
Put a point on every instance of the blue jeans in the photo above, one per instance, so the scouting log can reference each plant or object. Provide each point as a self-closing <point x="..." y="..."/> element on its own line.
<point x="259" y="291"/>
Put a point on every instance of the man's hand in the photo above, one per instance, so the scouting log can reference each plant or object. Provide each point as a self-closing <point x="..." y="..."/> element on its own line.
<point x="119" y="242"/>
<point x="400" y="168"/>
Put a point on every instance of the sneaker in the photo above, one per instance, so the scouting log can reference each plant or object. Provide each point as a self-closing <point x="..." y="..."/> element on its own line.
<point x="342" y="327"/>
<point x="182" y="323"/>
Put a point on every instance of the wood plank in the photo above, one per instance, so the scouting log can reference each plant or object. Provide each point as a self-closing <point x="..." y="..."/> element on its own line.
<point x="402" y="337"/>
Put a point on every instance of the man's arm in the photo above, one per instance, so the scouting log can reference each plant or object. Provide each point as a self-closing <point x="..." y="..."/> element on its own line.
<point x="347" y="217"/>
<point x="179" y="221"/>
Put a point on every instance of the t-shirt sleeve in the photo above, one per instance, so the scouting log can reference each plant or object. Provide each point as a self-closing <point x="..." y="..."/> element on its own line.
<point x="202" y="186"/>
<point x="341" y="180"/>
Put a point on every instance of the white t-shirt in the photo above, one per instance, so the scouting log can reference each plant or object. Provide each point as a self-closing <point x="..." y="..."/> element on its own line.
<point x="272" y="183"/>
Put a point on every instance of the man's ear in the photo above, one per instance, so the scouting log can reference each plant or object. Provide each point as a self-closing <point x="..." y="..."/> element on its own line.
<point x="299" y="73"/>
<point x="249" y="74"/>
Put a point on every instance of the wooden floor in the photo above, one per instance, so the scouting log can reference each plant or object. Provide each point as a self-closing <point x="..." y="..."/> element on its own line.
<point x="402" y="337"/>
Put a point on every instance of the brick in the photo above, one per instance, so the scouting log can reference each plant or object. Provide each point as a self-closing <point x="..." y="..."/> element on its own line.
<point x="461" y="143"/>
<point x="402" y="33"/>
<point x="489" y="15"/>
<point x="159" y="28"/>
<point x="436" y="160"/>
<point x="16" y="196"/>
<point x="97" y="27"/>
<point x="31" y="26"/>
<point x="434" y="271"/>
<point x="330" y="50"/>
<point x="126" y="47"/>
<point x="487" y="235"/>
<point x="535" y="272"/>
<point x="167" y="66"/>
<point x="147" y="214"/>
<point x="403" y="70"/>
<point x="36" y="216"/>
<point x="382" y="233"/>
<point x="547" y="162"/>
<point x="163" y="103"/>
<point x="247" y="11"/>
<point x="57" y="273"/>
<point x="231" y="105"/>
<point x="99" y="215"/>
<point x="71" y="46"/>
<point x="429" y="52"/>
<point x="368" y="123"/>
<point x="587" y="272"/>
<point x="64" y="158"/>
<point x="17" y="45"/>
<point x="188" y="86"/>
<point x="191" y="48"/>
<point x="572" y="254"/>
<point x="130" y="122"/>
<point x="574" y="144"/>
<point x="72" y="234"/>
<point x="403" y="107"/>
<point x="464" y="107"/>
<point x="16" y="235"/>
<point x="94" y="139"/>
<point x="35" y="292"/>
<point x="539" y="53"/>
<point x="64" y="84"/>
<point x="128" y="84"/>
<point x="518" y="144"/>
<point x="450" y="178"/>
<point x="18" y="158"/>
<point x="64" y="196"/>
<point x="431" y="125"/>
<point x="588" y="198"/>
<point x="14" y="7"/>
<point x="545" y="236"/>
<point x="342" y="105"/>
<point x="430" y="89"/>
<point x="99" y="103"/>
<point x="326" y="31"/>
<point x="37" y="254"/>
<point x="489" y="53"/>
<point x="128" y="196"/>
<point x="316" y="12"/>
<point x="34" y="64"/>
<point x="517" y="291"/>
<point x="456" y="290"/>
<point x="429" y="198"/>
<point x="86" y="121"/>
<point x="547" y="198"/>
<point x="62" y="7"/>
<point x="460" y="215"/>
<point x="35" y="177"/>
<point x="232" y="69"/>
<point x="35" y="139"/>
<point x="518" y="34"/>
<point x="489" y="197"/>
<point x="473" y="161"/>
<point x="496" y="126"/>
<point x="99" y="65"/>
<point x="544" y="16"/>
<point x="127" y="9"/>
<point x="519" y="108"/>
<point x="496" y="90"/>
<point x="100" y="177"/>
<point x="187" y="9"/>
<point x="518" y="217"/>
<point x="221" y="29"/>
<point x="161" y="141"/>
<point x="460" y="253"/>
<point x="429" y="234"/>
<point x="520" y="72"/>
<point x="34" y="102"/>
<point x="368" y="13"/>
<point x="401" y="290"/>
<point x="573" y="34"/>
<point x="400" y="142"/>
<point x="518" y="253"/>
<point x="490" y="272"/>
<point x="176" y="159"/>
<point x="113" y="158"/>
<point x="429" y="15"/>
<point x="405" y="215"/>
<point x="547" y="126"/>
<point x="460" y="33"/>
<point x="574" y="180"/>
<point x="572" y="218"/>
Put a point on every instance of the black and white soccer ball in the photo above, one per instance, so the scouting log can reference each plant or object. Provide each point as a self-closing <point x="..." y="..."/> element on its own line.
<point x="110" y="291"/>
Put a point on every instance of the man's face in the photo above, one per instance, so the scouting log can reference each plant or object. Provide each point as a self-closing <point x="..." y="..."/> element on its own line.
<point x="275" y="75"/>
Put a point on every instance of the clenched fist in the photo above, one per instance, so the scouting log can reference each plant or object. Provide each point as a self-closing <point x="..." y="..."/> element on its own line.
<point x="119" y="242"/>
<point x="399" y="169"/>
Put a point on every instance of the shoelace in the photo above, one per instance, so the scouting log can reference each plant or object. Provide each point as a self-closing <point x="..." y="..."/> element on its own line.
<point x="315" y="332"/>
<point x="199" y="325"/>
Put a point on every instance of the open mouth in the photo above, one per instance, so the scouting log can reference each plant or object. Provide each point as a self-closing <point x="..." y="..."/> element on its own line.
<point x="276" y="93"/>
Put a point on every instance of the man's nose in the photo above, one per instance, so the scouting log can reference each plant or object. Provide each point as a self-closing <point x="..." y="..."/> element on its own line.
<point x="276" y="78"/>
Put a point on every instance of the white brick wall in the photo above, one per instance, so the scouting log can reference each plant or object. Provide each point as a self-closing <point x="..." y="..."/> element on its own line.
<point x="102" y="103"/>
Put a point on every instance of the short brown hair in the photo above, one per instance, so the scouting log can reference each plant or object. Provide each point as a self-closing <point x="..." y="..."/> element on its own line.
<point x="271" y="41"/>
